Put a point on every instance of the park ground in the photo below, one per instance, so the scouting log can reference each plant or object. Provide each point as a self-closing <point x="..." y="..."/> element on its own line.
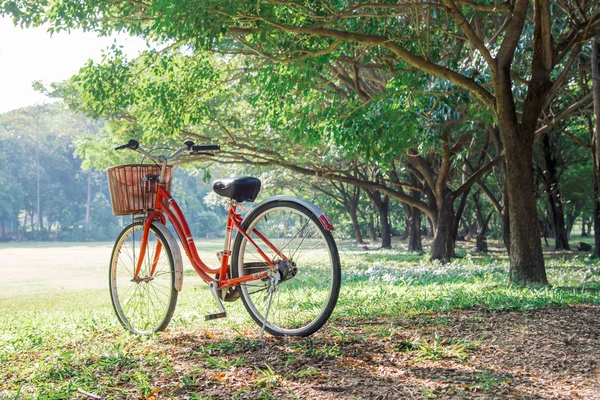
<point x="403" y="328"/>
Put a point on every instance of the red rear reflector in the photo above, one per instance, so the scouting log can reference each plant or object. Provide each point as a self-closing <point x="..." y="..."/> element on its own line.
<point x="327" y="225"/>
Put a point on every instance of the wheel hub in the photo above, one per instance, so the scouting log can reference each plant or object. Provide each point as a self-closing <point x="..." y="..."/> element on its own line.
<point x="140" y="279"/>
<point x="287" y="269"/>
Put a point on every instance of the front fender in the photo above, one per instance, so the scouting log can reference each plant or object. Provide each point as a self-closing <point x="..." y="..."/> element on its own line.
<point x="321" y="216"/>
<point x="175" y="252"/>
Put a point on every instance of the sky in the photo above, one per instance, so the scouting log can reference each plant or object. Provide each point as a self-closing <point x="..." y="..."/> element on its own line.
<point x="27" y="55"/>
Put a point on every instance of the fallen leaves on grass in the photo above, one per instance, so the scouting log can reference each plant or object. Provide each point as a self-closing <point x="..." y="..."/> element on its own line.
<point x="550" y="353"/>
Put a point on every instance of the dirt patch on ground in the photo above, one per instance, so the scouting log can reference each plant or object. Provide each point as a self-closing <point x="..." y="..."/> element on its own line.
<point x="542" y="354"/>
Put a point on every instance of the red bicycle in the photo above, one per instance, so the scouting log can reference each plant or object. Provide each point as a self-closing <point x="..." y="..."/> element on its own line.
<point x="284" y="261"/>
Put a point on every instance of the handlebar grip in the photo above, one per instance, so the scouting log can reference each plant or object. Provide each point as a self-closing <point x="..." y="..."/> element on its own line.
<point x="207" y="147"/>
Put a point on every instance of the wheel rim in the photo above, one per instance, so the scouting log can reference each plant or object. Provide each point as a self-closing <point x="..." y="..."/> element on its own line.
<point x="301" y="301"/>
<point x="142" y="305"/>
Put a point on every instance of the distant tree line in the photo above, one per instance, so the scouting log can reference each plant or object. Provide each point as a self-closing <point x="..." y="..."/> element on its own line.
<point x="46" y="195"/>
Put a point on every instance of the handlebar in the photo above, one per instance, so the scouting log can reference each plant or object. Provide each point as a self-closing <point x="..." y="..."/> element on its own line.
<point x="190" y="148"/>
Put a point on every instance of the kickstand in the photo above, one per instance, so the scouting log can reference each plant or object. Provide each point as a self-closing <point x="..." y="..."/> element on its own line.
<point x="262" y="330"/>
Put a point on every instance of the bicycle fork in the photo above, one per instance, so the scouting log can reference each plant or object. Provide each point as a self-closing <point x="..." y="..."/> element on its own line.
<point x="143" y="248"/>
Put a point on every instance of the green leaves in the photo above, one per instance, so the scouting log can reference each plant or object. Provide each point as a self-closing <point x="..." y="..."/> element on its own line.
<point x="160" y="91"/>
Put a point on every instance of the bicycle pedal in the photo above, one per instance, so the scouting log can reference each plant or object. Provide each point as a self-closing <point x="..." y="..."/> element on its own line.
<point x="215" y="316"/>
<point x="215" y="292"/>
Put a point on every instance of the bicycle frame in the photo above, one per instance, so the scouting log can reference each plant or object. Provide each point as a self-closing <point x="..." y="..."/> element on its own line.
<point x="166" y="205"/>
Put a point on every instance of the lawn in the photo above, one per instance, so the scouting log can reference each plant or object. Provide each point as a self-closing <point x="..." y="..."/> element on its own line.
<point x="403" y="328"/>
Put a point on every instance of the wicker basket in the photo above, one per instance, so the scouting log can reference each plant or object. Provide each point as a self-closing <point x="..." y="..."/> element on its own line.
<point x="130" y="193"/>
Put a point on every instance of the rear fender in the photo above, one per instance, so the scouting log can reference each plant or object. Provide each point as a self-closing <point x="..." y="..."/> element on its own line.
<point x="321" y="216"/>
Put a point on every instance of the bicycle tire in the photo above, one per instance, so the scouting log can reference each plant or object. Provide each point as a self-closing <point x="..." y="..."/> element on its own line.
<point x="303" y="303"/>
<point x="159" y="291"/>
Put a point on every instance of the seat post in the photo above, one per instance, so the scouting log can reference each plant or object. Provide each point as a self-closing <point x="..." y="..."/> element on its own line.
<point x="231" y="209"/>
<point x="231" y="203"/>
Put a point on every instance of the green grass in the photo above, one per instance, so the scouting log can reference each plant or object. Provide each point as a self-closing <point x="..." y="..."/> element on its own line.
<point x="394" y="287"/>
<point x="488" y="381"/>
<point x="55" y="341"/>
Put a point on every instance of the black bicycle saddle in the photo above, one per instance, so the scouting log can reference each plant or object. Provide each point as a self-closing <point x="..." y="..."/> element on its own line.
<point x="240" y="189"/>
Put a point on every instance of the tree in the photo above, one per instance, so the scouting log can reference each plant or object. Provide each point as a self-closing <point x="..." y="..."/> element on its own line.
<point x="479" y="58"/>
<point x="576" y="119"/>
<point x="549" y="173"/>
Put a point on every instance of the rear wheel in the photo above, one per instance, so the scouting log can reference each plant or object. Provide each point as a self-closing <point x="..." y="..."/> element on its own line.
<point x="310" y="277"/>
<point x="143" y="304"/>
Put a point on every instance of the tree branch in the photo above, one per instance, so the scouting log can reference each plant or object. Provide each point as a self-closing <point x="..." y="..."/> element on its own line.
<point x="566" y="113"/>
<point x="477" y="175"/>
<point x="474" y="38"/>
<point x="513" y="34"/>
<point x="419" y="163"/>
<point x="400" y="53"/>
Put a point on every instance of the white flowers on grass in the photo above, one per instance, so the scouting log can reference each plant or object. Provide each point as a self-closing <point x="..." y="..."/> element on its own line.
<point x="424" y="271"/>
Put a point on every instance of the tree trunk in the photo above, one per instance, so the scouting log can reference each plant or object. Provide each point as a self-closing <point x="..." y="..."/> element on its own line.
<point x="356" y="226"/>
<point x="561" y="236"/>
<point x="596" y="144"/>
<point x="546" y="228"/>
<point x="442" y="247"/>
<point x="459" y="213"/>
<point x="596" y="253"/>
<point x="526" y="257"/>
<point x="553" y="193"/>
<point x="414" y="218"/>
<point x="414" y="231"/>
<point x="570" y="221"/>
<point x="506" y="220"/>
<point x="482" y="224"/>
<point x="372" y="233"/>
<point x="504" y="211"/>
<point x="406" y="230"/>
<point x="382" y="204"/>
<point x="88" y="204"/>
<point x="386" y="230"/>
<point x="481" y="244"/>
<point x="583" y="223"/>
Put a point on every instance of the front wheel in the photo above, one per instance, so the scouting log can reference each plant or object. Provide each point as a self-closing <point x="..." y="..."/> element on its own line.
<point x="310" y="279"/>
<point x="143" y="304"/>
